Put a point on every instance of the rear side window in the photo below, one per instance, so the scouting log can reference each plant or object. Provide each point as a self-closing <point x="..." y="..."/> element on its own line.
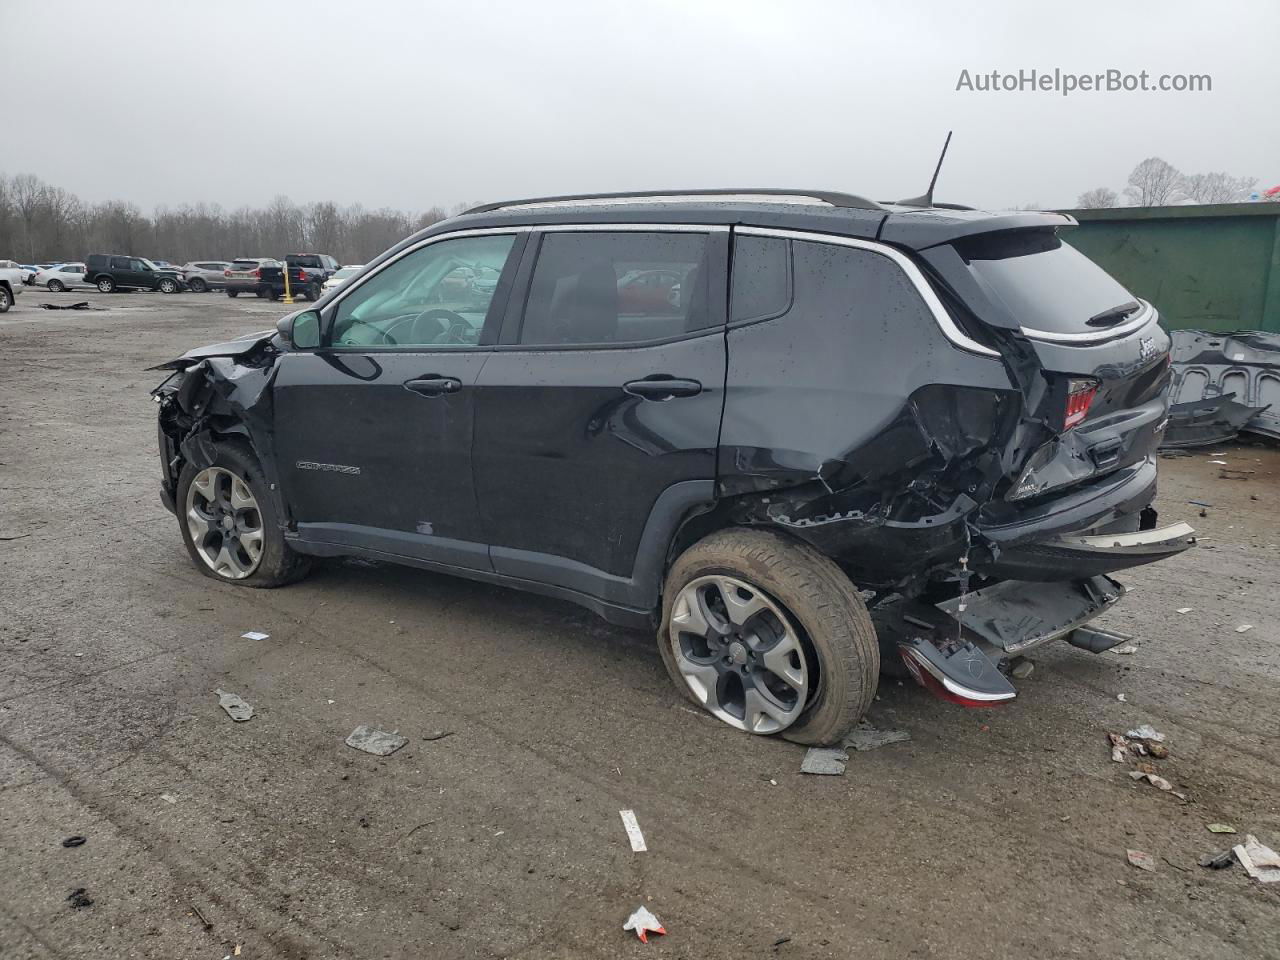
<point x="624" y="287"/>
<point x="761" y="278"/>
<point x="1046" y="284"/>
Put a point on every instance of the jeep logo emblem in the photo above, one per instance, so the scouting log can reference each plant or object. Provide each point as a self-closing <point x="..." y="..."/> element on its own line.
<point x="1146" y="348"/>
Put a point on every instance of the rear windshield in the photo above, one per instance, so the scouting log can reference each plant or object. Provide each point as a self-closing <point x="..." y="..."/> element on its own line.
<point x="308" y="262"/>
<point x="1046" y="284"/>
<point x="248" y="264"/>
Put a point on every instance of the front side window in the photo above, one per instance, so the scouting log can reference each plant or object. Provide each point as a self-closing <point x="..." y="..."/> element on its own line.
<point x="624" y="287"/>
<point x="438" y="296"/>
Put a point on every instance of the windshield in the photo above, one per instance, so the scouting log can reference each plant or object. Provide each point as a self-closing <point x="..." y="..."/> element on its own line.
<point x="148" y="264"/>
<point x="1046" y="284"/>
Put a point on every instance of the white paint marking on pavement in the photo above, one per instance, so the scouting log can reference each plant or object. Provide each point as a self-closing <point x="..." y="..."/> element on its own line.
<point x="633" y="830"/>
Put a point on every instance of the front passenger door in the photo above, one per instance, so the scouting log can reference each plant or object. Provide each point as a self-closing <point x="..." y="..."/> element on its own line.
<point x="373" y="429"/>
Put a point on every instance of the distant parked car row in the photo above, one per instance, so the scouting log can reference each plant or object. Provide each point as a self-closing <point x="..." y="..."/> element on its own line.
<point x="310" y="275"/>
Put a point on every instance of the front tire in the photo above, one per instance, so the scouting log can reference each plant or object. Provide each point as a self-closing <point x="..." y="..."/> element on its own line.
<point x="56" y="286"/>
<point x="229" y="524"/>
<point x="168" y="286"/>
<point x="106" y="285"/>
<point x="6" y="299"/>
<point x="770" y="636"/>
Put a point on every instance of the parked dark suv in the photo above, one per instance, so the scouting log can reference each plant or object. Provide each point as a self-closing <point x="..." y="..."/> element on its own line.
<point x="111" y="272"/>
<point x="745" y="419"/>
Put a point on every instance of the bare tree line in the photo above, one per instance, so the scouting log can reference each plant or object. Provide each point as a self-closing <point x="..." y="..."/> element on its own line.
<point x="1157" y="183"/>
<point x="43" y="223"/>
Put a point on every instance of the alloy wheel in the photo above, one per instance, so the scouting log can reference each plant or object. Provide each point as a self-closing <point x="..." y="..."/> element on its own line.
<point x="225" y="523"/>
<point x="739" y="654"/>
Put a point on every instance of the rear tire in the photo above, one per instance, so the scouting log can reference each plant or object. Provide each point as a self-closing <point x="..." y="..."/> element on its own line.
<point x="106" y="285"/>
<point x="233" y="293"/>
<point x="198" y="285"/>
<point x="313" y="292"/>
<point x="275" y="563"/>
<point x="841" y="663"/>
<point x="6" y="299"/>
<point x="56" y="286"/>
<point x="261" y="292"/>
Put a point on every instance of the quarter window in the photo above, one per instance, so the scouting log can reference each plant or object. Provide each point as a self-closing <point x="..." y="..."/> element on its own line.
<point x="624" y="287"/>
<point x="761" y="278"/>
<point x="438" y="296"/>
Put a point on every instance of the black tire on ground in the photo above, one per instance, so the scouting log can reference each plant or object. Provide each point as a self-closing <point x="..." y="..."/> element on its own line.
<point x="105" y="285"/>
<point x="261" y="292"/>
<point x="198" y="285"/>
<point x="168" y="286"/>
<point x="6" y="299"/>
<point x="823" y="604"/>
<point x="56" y="286"/>
<point x="313" y="292"/>
<point x="232" y="293"/>
<point x="279" y="564"/>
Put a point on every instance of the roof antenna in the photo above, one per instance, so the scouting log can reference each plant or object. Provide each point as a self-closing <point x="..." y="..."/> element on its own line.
<point x="926" y="200"/>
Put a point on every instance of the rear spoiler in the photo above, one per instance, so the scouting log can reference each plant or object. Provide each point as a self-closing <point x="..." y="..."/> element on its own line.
<point x="921" y="229"/>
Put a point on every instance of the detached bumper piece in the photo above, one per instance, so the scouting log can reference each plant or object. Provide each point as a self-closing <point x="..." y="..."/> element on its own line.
<point x="1093" y="555"/>
<point x="1015" y="616"/>
<point x="1202" y="423"/>
<point x="960" y="655"/>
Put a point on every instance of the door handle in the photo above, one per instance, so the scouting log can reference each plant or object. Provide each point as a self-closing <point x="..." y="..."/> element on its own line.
<point x="433" y="386"/>
<point x="662" y="388"/>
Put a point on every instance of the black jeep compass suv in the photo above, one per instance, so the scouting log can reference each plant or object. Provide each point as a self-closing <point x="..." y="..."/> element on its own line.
<point x="751" y="420"/>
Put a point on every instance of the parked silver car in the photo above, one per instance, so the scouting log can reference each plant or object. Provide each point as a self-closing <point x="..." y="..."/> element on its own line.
<point x="202" y="275"/>
<point x="63" y="276"/>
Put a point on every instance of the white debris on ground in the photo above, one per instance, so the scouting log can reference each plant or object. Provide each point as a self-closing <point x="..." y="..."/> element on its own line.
<point x="1146" y="732"/>
<point x="255" y="635"/>
<point x="378" y="742"/>
<point x="643" y="923"/>
<point x="632" y="826"/>
<point x="1259" y="861"/>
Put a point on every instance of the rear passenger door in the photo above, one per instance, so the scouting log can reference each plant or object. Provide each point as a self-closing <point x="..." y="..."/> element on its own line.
<point x="601" y="403"/>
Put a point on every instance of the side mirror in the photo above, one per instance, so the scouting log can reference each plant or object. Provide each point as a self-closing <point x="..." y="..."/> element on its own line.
<point x="300" y="330"/>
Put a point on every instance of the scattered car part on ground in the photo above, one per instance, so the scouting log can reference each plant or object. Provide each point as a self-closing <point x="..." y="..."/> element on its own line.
<point x="824" y="761"/>
<point x="255" y="635"/>
<point x="236" y="708"/>
<point x="1143" y="861"/>
<point x="867" y="737"/>
<point x="1220" y="828"/>
<point x="1218" y="378"/>
<point x="81" y="305"/>
<point x="76" y="841"/>
<point x="378" y="742"/>
<point x="750" y="519"/>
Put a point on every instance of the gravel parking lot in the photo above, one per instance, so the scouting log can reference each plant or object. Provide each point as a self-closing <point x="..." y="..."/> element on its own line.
<point x="998" y="833"/>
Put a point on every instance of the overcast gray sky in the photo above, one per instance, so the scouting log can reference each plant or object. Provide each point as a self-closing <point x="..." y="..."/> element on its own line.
<point x="412" y="104"/>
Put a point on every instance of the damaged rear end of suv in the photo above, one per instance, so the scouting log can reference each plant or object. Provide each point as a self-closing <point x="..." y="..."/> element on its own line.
<point x="797" y="434"/>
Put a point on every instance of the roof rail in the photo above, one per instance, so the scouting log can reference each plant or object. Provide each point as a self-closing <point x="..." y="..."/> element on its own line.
<point x="847" y="200"/>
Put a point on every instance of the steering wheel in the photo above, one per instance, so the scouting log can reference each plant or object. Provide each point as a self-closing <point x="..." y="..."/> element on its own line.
<point x="457" y="327"/>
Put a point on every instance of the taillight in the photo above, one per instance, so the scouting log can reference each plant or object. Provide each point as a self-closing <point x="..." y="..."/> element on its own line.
<point x="226" y="273"/>
<point x="1080" y="394"/>
<point x="257" y="274"/>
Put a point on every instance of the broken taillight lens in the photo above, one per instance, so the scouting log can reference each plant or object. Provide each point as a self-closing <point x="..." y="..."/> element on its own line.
<point x="1080" y="394"/>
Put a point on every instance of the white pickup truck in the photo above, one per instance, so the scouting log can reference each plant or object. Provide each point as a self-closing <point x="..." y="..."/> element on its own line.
<point x="10" y="283"/>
